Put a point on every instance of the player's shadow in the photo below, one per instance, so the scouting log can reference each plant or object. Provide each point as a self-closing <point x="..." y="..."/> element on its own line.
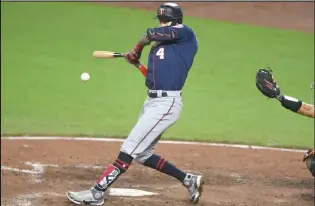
<point x="306" y="196"/>
<point x="292" y="183"/>
<point x="72" y="173"/>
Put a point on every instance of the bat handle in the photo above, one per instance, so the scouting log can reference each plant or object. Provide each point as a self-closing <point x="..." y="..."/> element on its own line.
<point x="116" y="54"/>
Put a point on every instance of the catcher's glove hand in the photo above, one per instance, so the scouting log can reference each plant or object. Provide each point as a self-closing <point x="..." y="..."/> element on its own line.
<point x="308" y="154"/>
<point x="266" y="83"/>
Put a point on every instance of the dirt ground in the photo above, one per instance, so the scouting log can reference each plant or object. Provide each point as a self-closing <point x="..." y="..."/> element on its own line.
<point x="285" y="15"/>
<point x="234" y="176"/>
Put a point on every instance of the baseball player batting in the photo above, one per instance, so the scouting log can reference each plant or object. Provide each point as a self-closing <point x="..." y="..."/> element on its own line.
<point x="266" y="83"/>
<point x="170" y="59"/>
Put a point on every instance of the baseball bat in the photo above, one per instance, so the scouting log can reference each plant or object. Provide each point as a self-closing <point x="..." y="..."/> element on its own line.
<point x="110" y="55"/>
<point x="107" y="54"/>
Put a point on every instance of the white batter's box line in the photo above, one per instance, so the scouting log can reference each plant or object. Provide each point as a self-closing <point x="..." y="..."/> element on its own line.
<point x="20" y="170"/>
<point x="40" y="195"/>
<point x="38" y="166"/>
<point x="102" y="139"/>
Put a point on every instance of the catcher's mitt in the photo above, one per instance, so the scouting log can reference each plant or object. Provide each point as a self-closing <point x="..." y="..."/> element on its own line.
<point x="266" y="83"/>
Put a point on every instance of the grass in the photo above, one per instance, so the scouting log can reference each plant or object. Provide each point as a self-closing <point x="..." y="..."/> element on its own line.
<point x="46" y="46"/>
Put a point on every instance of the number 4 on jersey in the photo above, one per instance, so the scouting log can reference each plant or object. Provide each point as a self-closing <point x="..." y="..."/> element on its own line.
<point x="160" y="53"/>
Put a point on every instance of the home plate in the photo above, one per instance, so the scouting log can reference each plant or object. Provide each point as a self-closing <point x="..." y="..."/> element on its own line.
<point x="124" y="192"/>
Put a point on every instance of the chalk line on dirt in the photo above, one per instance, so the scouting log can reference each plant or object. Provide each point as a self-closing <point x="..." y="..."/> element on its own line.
<point x="28" y="199"/>
<point x="19" y="170"/>
<point x="102" y="139"/>
<point x="37" y="165"/>
<point x="38" y="168"/>
<point x="34" y="173"/>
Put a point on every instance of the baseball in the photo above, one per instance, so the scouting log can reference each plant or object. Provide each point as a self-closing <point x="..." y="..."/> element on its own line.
<point x="85" y="76"/>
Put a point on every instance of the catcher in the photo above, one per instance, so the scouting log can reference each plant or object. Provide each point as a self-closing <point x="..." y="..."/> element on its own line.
<point x="266" y="83"/>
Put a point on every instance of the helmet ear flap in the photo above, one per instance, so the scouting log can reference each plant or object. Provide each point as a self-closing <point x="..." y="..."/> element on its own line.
<point x="179" y="19"/>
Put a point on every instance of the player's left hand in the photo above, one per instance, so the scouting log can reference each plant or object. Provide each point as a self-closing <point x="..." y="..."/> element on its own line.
<point x="134" y="54"/>
<point x="131" y="60"/>
<point x="266" y="83"/>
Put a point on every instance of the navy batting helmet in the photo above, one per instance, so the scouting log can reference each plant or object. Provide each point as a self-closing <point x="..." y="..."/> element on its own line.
<point x="170" y="12"/>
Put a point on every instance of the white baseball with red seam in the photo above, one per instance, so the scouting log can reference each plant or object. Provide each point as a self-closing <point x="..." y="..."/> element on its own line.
<point x="85" y="76"/>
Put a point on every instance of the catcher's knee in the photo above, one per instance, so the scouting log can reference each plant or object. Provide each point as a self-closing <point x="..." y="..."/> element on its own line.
<point x="310" y="163"/>
<point x="309" y="158"/>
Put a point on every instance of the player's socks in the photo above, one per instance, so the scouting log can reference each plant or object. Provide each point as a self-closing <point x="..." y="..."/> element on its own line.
<point x="113" y="171"/>
<point x="160" y="164"/>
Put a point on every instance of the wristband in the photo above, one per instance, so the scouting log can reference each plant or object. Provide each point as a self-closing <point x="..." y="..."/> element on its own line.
<point x="143" y="69"/>
<point x="291" y="103"/>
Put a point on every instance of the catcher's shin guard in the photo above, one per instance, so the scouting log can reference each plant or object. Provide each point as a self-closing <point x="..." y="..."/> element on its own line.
<point x="310" y="163"/>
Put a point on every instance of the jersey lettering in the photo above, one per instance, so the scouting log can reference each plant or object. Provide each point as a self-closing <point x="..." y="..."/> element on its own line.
<point x="160" y="53"/>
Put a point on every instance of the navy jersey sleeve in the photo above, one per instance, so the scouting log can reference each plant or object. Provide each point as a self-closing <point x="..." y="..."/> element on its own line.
<point x="169" y="33"/>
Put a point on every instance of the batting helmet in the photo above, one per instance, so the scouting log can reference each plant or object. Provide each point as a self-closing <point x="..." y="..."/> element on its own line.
<point x="170" y="12"/>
